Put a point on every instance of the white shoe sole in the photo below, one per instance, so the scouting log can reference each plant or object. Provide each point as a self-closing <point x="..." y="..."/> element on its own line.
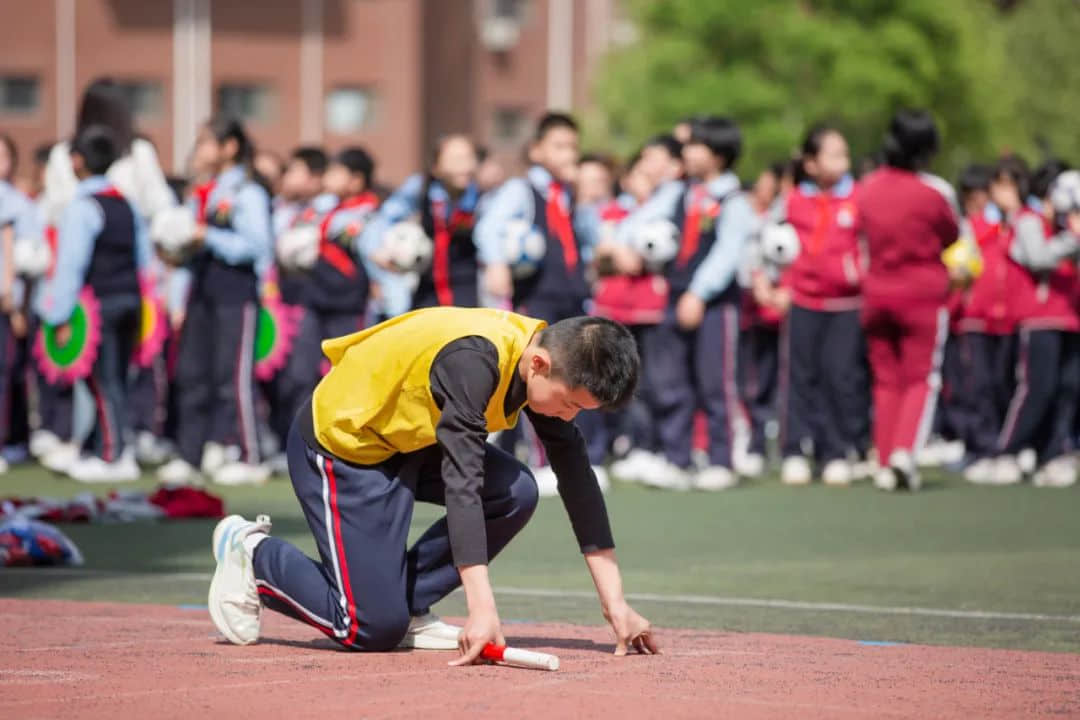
<point x="437" y="637"/>
<point x="214" y="599"/>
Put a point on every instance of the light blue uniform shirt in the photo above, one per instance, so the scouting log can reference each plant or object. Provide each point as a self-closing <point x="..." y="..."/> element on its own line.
<point x="515" y="201"/>
<point x="80" y="224"/>
<point x="717" y="270"/>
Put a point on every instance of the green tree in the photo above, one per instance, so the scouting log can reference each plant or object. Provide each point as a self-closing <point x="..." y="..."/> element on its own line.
<point x="779" y="66"/>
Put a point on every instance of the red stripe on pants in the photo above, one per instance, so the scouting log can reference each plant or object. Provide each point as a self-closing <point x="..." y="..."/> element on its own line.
<point x="328" y="466"/>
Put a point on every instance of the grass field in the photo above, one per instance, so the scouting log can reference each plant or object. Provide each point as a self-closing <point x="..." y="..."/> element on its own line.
<point x="952" y="565"/>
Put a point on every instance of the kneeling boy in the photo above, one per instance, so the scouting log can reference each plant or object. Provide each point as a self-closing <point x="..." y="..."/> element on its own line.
<point x="403" y="415"/>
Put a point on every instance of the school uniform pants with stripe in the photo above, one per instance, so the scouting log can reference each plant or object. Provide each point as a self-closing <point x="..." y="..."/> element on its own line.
<point x="824" y="387"/>
<point x="759" y="362"/>
<point x="108" y="382"/>
<point x="906" y="345"/>
<point x="1043" y="408"/>
<point x="215" y="382"/>
<point x="366" y="585"/>
<point x="982" y="389"/>
<point x="684" y="371"/>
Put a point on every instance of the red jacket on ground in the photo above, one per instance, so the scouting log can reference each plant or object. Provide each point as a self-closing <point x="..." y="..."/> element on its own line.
<point x="908" y="219"/>
<point x="827" y="273"/>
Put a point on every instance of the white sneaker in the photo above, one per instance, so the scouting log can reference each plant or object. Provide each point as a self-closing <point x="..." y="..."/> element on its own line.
<point x="1057" y="473"/>
<point x="885" y="479"/>
<point x="241" y="473"/>
<point x="668" y="476"/>
<point x="904" y="469"/>
<point x="715" y="477"/>
<point x="837" y="473"/>
<point x="149" y="450"/>
<point x="750" y="465"/>
<point x="546" y="482"/>
<point x="60" y="458"/>
<point x="279" y="464"/>
<point x="637" y="465"/>
<point x="602" y="477"/>
<point x="428" y="632"/>
<point x="179" y="472"/>
<point x="234" y="599"/>
<point x="952" y="452"/>
<point x="92" y="469"/>
<point x="796" y="471"/>
<point x="4" y="467"/>
<point x="929" y="455"/>
<point x="1007" y="471"/>
<point x="980" y="472"/>
<point x="42" y="442"/>
<point x="215" y="456"/>
<point x="1027" y="459"/>
<point x="863" y="469"/>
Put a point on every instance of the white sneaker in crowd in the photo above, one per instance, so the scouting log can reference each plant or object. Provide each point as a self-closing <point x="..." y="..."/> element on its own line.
<point x="749" y="465"/>
<point x="428" y="632"/>
<point x="233" y="600"/>
<point x="1057" y="473"/>
<point x="1007" y="471"/>
<point x="980" y="472"/>
<point x="179" y="472"/>
<point x="636" y="466"/>
<point x="796" y="470"/>
<point x="92" y="469"/>
<point x="279" y="464"/>
<point x="886" y="479"/>
<point x="4" y="467"/>
<point x="1027" y="459"/>
<point x="42" y="442"/>
<point x="668" y="476"/>
<point x="241" y="473"/>
<point x="215" y="456"/>
<point x="837" y="473"/>
<point x="60" y="458"/>
<point x="150" y="450"/>
<point x="714" y="478"/>
<point x="905" y="471"/>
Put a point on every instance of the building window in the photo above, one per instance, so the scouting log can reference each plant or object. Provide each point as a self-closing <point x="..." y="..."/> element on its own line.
<point x="509" y="126"/>
<point x="144" y="98"/>
<point x="19" y="94"/>
<point x="250" y="103"/>
<point x="500" y="23"/>
<point x="350" y="110"/>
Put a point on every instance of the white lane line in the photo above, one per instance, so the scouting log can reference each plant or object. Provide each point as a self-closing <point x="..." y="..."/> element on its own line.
<point x="670" y="599"/>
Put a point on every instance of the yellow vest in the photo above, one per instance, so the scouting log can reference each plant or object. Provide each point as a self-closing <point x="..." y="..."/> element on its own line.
<point x="376" y="400"/>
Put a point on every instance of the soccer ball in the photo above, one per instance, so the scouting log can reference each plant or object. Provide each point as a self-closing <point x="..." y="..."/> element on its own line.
<point x="658" y="243"/>
<point x="523" y="247"/>
<point x="780" y="244"/>
<point x="298" y="247"/>
<point x="408" y="247"/>
<point x="1065" y="192"/>
<point x="32" y="258"/>
<point x="172" y="231"/>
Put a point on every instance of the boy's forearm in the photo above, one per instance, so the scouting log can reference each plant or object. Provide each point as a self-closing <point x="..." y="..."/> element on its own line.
<point x="605" y="573"/>
<point x="8" y="249"/>
<point x="478" y="594"/>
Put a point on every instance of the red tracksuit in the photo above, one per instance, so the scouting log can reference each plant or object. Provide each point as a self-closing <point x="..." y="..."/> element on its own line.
<point x="907" y="220"/>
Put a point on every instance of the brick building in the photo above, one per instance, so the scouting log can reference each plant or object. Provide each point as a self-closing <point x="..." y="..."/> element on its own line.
<point x="390" y="74"/>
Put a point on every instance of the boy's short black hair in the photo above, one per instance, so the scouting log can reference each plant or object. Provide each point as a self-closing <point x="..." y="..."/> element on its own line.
<point x="597" y="354"/>
<point x="357" y="161"/>
<point x="96" y="144"/>
<point x="720" y="134"/>
<point x="1015" y="169"/>
<point x="552" y="120"/>
<point x="1045" y="175"/>
<point x="973" y="178"/>
<point x="666" y="141"/>
<point x="314" y="158"/>
<point x="912" y="139"/>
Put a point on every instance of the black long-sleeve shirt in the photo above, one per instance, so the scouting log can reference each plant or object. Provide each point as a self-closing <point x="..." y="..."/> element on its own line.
<point x="464" y="376"/>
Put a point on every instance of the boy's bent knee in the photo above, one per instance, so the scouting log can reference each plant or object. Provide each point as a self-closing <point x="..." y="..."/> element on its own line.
<point x="383" y="631"/>
<point x="525" y="493"/>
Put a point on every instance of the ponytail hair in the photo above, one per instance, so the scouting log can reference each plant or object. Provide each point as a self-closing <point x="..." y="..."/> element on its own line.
<point x="224" y="128"/>
<point x="912" y="140"/>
